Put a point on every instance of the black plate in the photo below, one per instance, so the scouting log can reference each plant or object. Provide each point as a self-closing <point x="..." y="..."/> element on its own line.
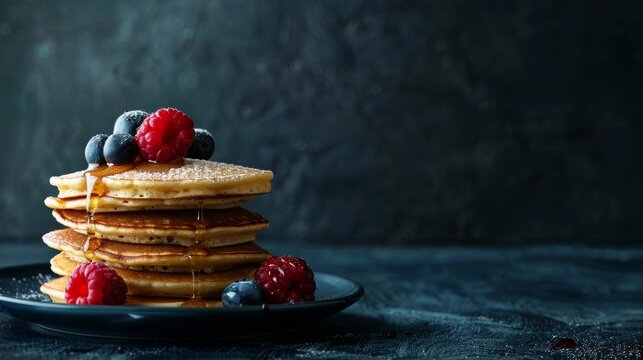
<point x="20" y="298"/>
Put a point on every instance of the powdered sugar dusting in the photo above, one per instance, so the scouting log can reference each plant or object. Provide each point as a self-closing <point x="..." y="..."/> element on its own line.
<point x="25" y="288"/>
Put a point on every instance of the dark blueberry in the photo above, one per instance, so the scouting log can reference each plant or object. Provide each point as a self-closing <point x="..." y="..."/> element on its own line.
<point x="94" y="150"/>
<point x="129" y="122"/>
<point x="202" y="145"/>
<point x="120" y="149"/>
<point x="242" y="293"/>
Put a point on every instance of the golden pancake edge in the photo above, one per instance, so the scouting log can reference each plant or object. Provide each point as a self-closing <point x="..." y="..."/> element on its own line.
<point x="159" y="258"/>
<point x="148" y="283"/>
<point x="173" y="227"/>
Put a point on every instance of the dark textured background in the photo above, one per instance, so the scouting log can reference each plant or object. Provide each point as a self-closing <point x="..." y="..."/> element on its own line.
<point x="457" y="121"/>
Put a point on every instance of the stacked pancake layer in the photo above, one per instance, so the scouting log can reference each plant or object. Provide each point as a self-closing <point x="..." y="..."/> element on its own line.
<point x="173" y="232"/>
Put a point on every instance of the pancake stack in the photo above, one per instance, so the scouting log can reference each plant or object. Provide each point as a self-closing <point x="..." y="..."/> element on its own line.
<point x="175" y="233"/>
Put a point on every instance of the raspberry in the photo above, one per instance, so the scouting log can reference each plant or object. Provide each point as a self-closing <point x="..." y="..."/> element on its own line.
<point x="95" y="283"/>
<point x="165" y="135"/>
<point x="286" y="279"/>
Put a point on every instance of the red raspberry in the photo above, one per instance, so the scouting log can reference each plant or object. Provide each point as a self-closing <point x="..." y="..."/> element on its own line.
<point x="95" y="283"/>
<point x="165" y="135"/>
<point x="286" y="279"/>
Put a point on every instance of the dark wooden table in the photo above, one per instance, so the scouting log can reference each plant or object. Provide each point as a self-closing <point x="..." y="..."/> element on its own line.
<point x="428" y="302"/>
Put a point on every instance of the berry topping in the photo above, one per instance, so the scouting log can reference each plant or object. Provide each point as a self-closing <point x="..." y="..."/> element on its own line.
<point x="202" y="145"/>
<point x="165" y="136"/>
<point x="129" y="122"/>
<point x="242" y="293"/>
<point x="120" y="149"/>
<point x="286" y="279"/>
<point x="95" y="283"/>
<point x="94" y="150"/>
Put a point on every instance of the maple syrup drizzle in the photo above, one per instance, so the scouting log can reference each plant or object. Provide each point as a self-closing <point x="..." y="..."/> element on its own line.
<point x="90" y="244"/>
<point x="194" y="253"/>
<point x="93" y="179"/>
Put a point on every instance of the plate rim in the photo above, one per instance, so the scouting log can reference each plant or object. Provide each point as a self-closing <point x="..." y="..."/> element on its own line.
<point x="349" y="299"/>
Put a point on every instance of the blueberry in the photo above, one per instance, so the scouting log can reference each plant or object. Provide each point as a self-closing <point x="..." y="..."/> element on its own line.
<point x="120" y="149"/>
<point x="202" y="146"/>
<point x="242" y="293"/>
<point x="129" y="122"/>
<point x="94" y="150"/>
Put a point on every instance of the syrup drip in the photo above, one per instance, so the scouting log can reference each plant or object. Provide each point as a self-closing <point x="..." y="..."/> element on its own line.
<point x="90" y="245"/>
<point x="194" y="253"/>
<point x="201" y="230"/>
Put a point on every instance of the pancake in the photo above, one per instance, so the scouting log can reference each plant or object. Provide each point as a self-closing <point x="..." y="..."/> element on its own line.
<point x="175" y="227"/>
<point x="112" y="204"/>
<point x="158" y="258"/>
<point x="147" y="283"/>
<point x="55" y="289"/>
<point x="187" y="179"/>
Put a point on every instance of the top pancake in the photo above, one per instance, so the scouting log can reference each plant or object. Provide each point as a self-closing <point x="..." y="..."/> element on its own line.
<point x="188" y="179"/>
